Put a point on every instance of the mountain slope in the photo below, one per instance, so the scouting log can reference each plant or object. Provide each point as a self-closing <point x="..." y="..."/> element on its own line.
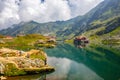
<point x="106" y="11"/>
<point x="105" y="34"/>
<point x="34" y="27"/>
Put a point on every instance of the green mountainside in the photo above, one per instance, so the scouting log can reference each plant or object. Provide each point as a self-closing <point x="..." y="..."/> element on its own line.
<point x="105" y="15"/>
<point x="34" y="27"/>
<point x="106" y="10"/>
<point x="108" y="29"/>
<point x="30" y="27"/>
<point x="106" y="36"/>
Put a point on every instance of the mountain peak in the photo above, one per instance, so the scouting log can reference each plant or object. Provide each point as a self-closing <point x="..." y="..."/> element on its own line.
<point x="104" y="11"/>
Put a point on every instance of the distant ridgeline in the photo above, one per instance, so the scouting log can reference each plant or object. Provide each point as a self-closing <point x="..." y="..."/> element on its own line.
<point x="106" y="15"/>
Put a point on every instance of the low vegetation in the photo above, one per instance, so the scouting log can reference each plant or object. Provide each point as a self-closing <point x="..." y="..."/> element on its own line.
<point x="109" y="40"/>
<point x="24" y="54"/>
<point x="103" y="34"/>
<point x="26" y="42"/>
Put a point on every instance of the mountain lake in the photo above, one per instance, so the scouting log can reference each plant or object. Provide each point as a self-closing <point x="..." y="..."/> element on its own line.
<point x="73" y="63"/>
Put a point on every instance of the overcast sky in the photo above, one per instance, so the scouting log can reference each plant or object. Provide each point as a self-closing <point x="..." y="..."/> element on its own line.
<point x="15" y="11"/>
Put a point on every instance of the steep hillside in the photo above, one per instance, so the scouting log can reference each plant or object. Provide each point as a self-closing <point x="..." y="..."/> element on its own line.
<point x="34" y="27"/>
<point x="107" y="29"/>
<point x="107" y="36"/>
<point x="105" y="11"/>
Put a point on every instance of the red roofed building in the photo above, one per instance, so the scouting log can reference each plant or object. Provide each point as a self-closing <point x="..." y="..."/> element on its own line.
<point x="8" y="37"/>
<point x="81" y="40"/>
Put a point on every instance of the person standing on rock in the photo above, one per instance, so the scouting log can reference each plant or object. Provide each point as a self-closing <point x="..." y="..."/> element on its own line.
<point x="45" y="61"/>
<point x="20" y="53"/>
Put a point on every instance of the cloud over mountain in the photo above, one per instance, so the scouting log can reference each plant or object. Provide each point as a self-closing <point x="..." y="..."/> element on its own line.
<point x="15" y="11"/>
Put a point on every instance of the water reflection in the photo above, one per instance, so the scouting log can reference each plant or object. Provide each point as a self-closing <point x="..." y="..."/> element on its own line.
<point x="67" y="69"/>
<point x="73" y="63"/>
<point x="101" y="61"/>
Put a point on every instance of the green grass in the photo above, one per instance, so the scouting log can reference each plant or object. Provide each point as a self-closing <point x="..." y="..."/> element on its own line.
<point x="115" y="32"/>
<point x="38" y="55"/>
<point x="12" y="70"/>
<point x="109" y="41"/>
<point x="47" y="68"/>
<point x="26" y="42"/>
<point x="69" y="41"/>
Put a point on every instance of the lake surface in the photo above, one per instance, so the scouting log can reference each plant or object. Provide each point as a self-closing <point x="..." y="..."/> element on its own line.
<point x="73" y="63"/>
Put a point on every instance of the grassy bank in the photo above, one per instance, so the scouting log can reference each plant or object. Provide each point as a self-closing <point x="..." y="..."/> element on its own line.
<point x="27" y="42"/>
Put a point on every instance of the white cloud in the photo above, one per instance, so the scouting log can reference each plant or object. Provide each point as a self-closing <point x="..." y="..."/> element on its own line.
<point x="8" y="13"/>
<point x="53" y="10"/>
<point x="15" y="11"/>
<point x="80" y="7"/>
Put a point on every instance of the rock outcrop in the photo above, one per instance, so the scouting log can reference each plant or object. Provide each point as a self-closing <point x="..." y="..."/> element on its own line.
<point x="15" y="62"/>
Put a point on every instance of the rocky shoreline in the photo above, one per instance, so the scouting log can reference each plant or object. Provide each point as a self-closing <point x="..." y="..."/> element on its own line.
<point x="16" y="62"/>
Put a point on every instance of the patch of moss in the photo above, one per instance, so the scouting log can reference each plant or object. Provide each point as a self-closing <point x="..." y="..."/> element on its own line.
<point x="38" y="55"/>
<point x="12" y="70"/>
<point x="38" y="70"/>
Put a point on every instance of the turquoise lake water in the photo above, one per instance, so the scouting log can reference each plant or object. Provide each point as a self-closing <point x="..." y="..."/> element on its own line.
<point x="73" y="63"/>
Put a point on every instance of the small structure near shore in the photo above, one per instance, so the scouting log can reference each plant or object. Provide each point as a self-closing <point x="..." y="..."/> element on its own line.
<point x="81" y="41"/>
